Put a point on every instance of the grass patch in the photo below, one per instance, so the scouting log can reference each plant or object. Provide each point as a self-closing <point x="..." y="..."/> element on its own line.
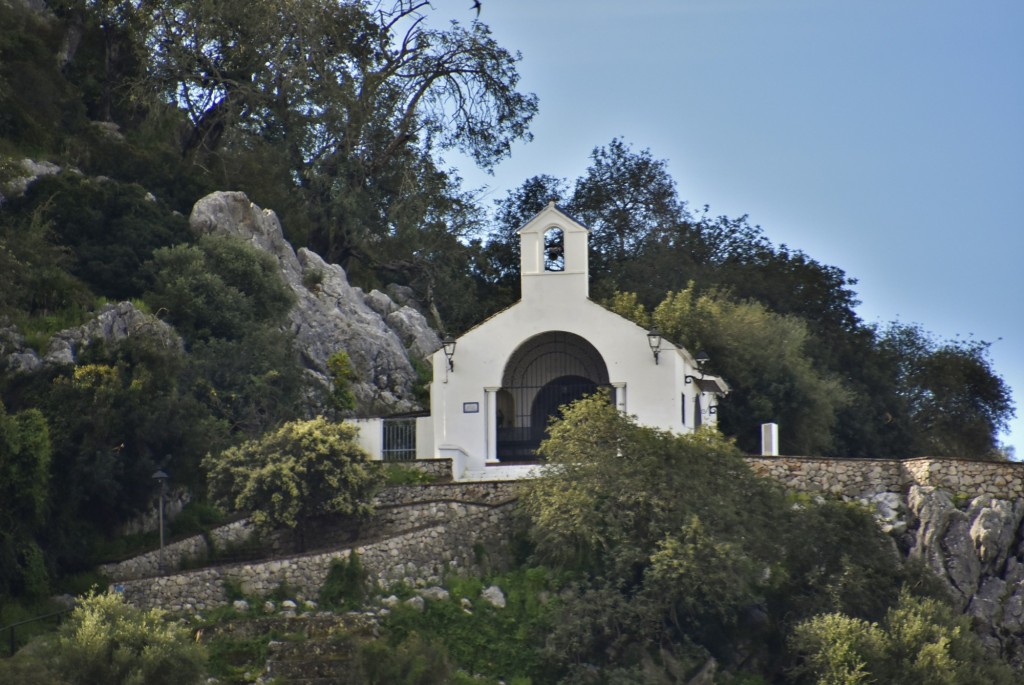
<point x="399" y="474"/>
<point x="496" y="643"/>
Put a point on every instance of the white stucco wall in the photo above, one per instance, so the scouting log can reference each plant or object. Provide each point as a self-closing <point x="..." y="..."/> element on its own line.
<point x="370" y="436"/>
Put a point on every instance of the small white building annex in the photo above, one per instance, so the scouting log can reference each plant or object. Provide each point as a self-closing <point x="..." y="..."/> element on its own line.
<point x="496" y="386"/>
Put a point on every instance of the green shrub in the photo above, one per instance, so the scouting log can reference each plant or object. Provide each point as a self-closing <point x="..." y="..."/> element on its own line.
<point x="233" y="589"/>
<point x="340" y="367"/>
<point x="282" y="592"/>
<point x="346" y="584"/>
<point x="507" y="643"/>
<point x="18" y="610"/>
<point x="920" y="641"/>
<point x="414" y="661"/>
<point x="108" y="641"/>
<point x="196" y="517"/>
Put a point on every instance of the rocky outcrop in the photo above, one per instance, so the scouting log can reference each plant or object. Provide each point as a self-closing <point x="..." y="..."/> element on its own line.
<point x="977" y="550"/>
<point x="962" y="519"/>
<point x="330" y="315"/>
<point x="112" y="324"/>
<point x="25" y="173"/>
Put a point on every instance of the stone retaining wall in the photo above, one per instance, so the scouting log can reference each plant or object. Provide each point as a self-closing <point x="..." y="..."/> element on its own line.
<point x="439" y="468"/>
<point x="475" y="543"/>
<point x="398" y="509"/>
<point x="465" y="526"/>
<point x="866" y="477"/>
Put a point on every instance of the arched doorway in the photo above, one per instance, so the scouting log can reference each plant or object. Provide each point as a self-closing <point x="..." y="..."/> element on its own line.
<point x="543" y="374"/>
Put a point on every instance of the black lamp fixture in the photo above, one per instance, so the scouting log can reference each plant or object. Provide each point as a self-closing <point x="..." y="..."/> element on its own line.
<point x="701" y="359"/>
<point x="654" y="340"/>
<point x="448" y="345"/>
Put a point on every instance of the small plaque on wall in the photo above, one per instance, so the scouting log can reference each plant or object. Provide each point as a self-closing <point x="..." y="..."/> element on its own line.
<point x="470" y="407"/>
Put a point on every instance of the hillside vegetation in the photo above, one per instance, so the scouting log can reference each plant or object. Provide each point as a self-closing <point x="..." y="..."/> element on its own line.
<point x="115" y="118"/>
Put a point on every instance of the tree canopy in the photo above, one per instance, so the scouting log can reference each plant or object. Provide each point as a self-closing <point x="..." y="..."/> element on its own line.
<point x="672" y="542"/>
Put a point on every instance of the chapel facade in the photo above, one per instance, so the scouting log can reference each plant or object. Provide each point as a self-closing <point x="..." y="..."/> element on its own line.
<point x="496" y="387"/>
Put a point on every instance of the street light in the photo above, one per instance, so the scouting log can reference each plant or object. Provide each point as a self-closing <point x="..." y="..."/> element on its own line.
<point x="161" y="477"/>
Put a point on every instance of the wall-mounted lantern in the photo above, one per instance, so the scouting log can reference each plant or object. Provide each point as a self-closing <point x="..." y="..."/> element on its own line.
<point x="448" y="345"/>
<point x="702" y="359"/>
<point x="654" y="340"/>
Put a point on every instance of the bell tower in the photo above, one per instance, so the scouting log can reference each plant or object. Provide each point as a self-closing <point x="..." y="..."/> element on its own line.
<point x="553" y="257"/>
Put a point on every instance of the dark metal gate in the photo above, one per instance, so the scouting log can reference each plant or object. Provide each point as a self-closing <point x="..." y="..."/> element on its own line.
<point x="545" y="373"/>
<point x="398" y="439"/>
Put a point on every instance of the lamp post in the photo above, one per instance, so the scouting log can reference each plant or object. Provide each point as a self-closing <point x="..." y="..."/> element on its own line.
<point x="161" y="477"/>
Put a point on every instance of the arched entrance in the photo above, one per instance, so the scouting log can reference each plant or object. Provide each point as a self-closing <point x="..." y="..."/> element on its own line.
<point x="545" y="372"/>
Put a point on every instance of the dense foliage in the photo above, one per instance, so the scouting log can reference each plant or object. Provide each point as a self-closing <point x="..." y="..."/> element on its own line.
<point x="105" y="640"/>
<point x="335" y="115"/>
<point x="301" y="470"/>
<point x="682" y="560"/>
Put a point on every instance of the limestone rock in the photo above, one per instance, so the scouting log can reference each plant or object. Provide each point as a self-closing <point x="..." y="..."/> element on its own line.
<point x="31" y="171"/>
<point x="494" y="596"/>
<point x="14" y="355"/>
<point x="994" y="525"/>
<point x="329" y="314"/>
<point x="434" y="594"/>
<point x="977" y="553"/>
<point x="112" y="324"/>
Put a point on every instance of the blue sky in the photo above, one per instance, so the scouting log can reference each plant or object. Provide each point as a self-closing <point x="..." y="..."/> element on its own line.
<point x="884" y="137"/>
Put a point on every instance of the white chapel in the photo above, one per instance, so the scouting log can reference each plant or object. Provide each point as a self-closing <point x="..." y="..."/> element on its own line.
<point x="496" y="387"/>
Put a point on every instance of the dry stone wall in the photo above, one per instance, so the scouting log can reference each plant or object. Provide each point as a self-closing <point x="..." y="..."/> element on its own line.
<point x="398" y="509"/>
<point x="423" y="531"/>
<point x="864" y="478"/>
<point x="475" y="543"/>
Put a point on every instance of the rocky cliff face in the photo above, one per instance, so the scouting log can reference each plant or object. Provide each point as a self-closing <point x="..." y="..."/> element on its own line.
<point x="380" y="336"/>
<point x="976" y="547"/>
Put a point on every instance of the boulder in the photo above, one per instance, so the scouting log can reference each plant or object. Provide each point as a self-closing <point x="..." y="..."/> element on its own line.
<point x="494" y="596"/>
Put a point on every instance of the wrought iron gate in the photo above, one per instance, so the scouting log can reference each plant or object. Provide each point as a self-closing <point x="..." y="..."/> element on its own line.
<point x="545" y="373"/>
<point x="398" y="439"/>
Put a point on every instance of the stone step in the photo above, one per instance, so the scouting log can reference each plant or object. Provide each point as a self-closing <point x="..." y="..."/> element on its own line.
<point x="313" y="661"/>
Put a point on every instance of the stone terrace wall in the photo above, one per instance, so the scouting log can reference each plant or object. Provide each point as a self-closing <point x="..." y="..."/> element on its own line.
<point x="846" y="477"/>
<point x="398" y="509"/>
<point x="440" y="468"/>
<point x="860" y="478"/>
<point x="475" y="543"/>
<point x="1004" y="480"/>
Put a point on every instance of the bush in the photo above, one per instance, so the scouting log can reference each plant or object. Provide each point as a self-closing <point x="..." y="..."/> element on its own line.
<point x="919" y="641"/>
<point x="303" y="469"/>
<point x="345" y="585"/>
<point x="415" y="661"/>
<point x="108" y="641"/>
